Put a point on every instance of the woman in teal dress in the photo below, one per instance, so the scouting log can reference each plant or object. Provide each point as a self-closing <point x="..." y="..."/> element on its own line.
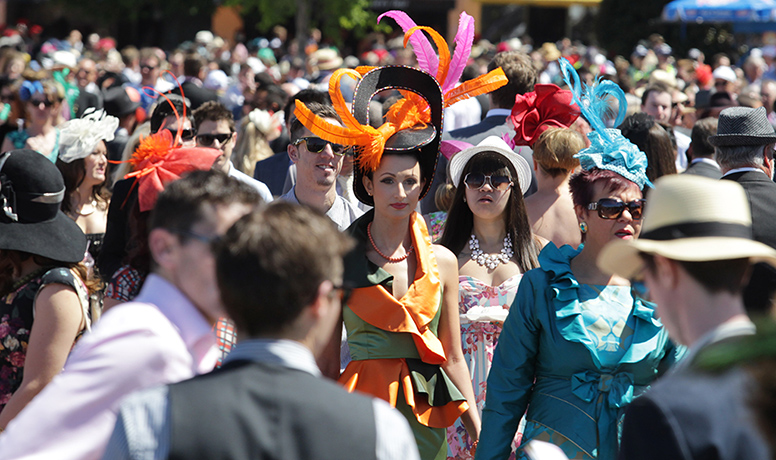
<point x="579" y="344"/>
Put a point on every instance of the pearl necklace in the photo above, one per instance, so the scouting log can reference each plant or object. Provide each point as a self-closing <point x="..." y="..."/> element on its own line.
<point x="389" y="259"/>
<point x="491" y="260"/>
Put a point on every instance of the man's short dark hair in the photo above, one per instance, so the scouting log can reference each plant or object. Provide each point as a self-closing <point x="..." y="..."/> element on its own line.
<point x="701" y="131"/>
<point x="192" y="64"/>
<point x="270" y="265"/>
<point x="654" y="88"/>
<point x="213" y="111"/>
<point x="322" y="110"/>
<point x="714" y="275"/>
<point x="164" y="109"/>
<point x="307" y="96"/>
<point x="181" y="204"/>
<point x="520" y="72"/>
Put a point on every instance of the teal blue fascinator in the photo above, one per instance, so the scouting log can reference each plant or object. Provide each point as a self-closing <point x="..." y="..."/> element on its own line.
<point x="609" y="149"/>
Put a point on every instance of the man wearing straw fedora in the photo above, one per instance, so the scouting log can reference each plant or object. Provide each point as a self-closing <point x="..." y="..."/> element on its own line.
<point x="744" y="150"/>
<point x="694" y="254"/>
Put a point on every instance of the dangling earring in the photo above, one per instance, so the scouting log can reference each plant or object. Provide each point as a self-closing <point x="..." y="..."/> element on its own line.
<point x="464" y="199"/>
<point x="583" y="227"/>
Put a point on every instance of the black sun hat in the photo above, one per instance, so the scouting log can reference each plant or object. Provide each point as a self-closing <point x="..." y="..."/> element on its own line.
<point x="413" y="123"/>
<point x="31" y="193"/>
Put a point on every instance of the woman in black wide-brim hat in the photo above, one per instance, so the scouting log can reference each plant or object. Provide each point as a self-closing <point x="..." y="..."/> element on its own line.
<point x="44" y="304"/>
<point x="404" y="308"/>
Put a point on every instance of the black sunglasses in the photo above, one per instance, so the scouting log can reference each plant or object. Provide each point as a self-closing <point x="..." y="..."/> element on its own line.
<point x="45" y="102"/>
<point x="345" y="292"/>
<point x="316" y="145"/>
<point x="148" y="67"/>
<point x="475" y="181"/>
<point x="612" y="208"/>
<point x="206" y="140"/>
<point x="186" y="134"/>
<point x="187" y="234"/>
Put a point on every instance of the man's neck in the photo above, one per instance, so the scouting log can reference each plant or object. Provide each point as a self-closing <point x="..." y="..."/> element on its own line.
<point x="322" y="200"/>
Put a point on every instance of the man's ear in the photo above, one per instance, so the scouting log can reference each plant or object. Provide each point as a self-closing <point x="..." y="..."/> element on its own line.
<point x="163" y="247"/>
<point x="667" y="271"/>
<point x="293" y="153"/>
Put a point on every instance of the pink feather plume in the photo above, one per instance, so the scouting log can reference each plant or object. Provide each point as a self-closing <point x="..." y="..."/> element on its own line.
<point x="464" y="39"/>
<point x="424" y="52"/>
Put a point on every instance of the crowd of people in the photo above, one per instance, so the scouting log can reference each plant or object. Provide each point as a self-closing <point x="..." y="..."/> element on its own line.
<point x="250" y="250"/>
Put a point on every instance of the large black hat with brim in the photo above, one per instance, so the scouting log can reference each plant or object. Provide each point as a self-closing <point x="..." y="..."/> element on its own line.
<point x="31" y="194"/>
<point x="423" y="137"/>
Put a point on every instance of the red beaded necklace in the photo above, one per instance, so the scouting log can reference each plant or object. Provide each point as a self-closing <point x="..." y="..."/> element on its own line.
<point x="389" y="259"/>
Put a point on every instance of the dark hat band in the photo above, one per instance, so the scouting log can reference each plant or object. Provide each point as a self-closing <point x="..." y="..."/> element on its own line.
<point x="699" y="230"/>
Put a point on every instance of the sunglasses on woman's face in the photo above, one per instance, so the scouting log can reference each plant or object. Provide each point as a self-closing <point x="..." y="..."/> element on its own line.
<point x="316" y="145"/>
<point x="612" y="208"/>
<point x="206" y="140"/>
<point x="38" y="102"/>
<point x="186" y="134"/>
<point x="475" y="181"/>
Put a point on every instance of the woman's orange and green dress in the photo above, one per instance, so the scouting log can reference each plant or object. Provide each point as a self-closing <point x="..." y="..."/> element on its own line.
<point x="396" y="354"/>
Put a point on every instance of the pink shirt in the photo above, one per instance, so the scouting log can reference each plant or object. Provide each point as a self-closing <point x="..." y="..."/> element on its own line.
<point x="157" y="339"/>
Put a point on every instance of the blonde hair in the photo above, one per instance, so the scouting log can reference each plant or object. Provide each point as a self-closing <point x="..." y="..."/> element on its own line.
<point x="252" y="146"/>
<point x="554" y="151"/>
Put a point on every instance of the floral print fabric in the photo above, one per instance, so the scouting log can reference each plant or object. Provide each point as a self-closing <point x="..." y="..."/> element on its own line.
<point x="483" y="309"/>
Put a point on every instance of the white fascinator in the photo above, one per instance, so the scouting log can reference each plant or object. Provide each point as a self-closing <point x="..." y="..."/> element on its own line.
<point x="79" y="137"/>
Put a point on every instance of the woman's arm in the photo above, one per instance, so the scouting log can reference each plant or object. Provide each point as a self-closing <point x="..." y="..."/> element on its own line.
<point x="58" y="318"/>
<point x="450" y="335"/>
<point x="512" y="373"/>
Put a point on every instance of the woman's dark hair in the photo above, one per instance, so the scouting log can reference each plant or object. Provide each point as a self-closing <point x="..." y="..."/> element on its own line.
<point x="73" y="174"/>
<point x="652" y="139"/>
<point x="11" y="261"/>
<point x="460" y="219"/>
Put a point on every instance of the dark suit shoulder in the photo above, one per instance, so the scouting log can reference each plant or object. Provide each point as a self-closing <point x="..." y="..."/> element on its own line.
<point x="705" y="170"/>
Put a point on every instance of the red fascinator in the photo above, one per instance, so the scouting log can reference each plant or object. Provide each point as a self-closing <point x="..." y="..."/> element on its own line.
<point x="156" y="162"/>
<point x="547" y="106"/>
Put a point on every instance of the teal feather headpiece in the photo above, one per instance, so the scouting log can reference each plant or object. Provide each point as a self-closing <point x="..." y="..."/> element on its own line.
<point x="609" y="149"/>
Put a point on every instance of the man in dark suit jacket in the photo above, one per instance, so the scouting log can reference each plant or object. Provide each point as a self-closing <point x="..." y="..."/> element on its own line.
<point x="701" y="152"/>
<point x="522" y="77"/>
<point x="694" y="253"/>
<point x="745" y="141"/>
<point x="193" y="71"/>
<point x="279" y="272"/>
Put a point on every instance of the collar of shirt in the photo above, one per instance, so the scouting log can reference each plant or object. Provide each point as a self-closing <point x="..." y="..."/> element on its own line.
<point x="745" y="169"/>
<point x="707" y="161"/>
<point x="194" y="329"/>
<point x="724" y="331"/>
<point x="287" y="353"/>
<point x="498" y="113"/>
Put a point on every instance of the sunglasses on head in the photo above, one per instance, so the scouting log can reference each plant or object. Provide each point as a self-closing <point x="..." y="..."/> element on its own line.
<point x="475" y="181"/>
<point x="316" y="145"/>
<point x="186" y="134"/>
<point x="206" y="140"/>
<point x="612" y="208"/>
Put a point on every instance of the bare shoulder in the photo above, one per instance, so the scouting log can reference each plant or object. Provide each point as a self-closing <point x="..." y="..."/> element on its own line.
<point x="445" y="257"/>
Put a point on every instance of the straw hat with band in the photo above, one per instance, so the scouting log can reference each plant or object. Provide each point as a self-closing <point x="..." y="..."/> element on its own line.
<point x="496" y="145"/>
<point x="31" y="193"/>
<point x="692" y="219"/>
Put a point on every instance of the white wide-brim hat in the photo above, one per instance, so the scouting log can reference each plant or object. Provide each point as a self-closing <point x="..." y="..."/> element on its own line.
<point x="496" y="145"/>
<point x="693" y="219"/>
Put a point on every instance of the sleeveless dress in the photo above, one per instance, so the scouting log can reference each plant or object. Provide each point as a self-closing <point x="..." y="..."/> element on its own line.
<point x="483" y="308"/>
<point x="396" y="355"/>
<point x="574" y="356"/>
<point x="16" y="320"/>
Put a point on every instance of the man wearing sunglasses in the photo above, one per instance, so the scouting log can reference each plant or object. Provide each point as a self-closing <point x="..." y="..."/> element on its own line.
<point x="214" y="127"/>
<point x="317" y="165"/>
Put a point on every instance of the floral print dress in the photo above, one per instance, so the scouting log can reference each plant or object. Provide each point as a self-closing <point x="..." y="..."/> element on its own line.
<point x="483" y="309"/>
<point x="16" y="319"/>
